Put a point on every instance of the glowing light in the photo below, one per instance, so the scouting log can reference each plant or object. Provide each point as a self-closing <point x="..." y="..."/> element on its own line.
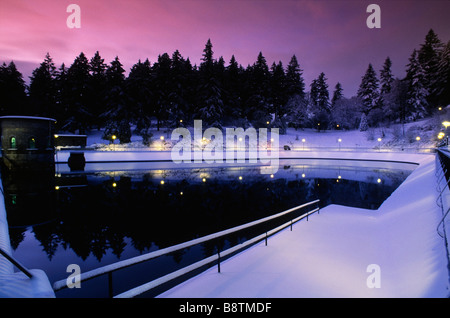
<point x="446" y="123"/>
<point x="114" y="184"/>
<point x="181" y="193"/>
<point x="113" y="137"/>
<point x="56" y="136"/>
<point x="303" y="175"/>
<point x="339" y="140"/>
<point x="272" y="176"/>
<point x="57" y="188"/>
<point x="441" y="135"/>
<point x="379" y="180"/>
<point x="240" y="177"/>
<point x="162" y="137"/>
<point x="417" y="138"/>
<point x="303" y="140"/>
<point x="162" y="181"/>
<point x="379" y="139"/>
<point x="204" y="179"/>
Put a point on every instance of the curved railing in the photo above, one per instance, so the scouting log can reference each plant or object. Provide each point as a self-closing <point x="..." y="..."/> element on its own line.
<point x="109" y="269"/>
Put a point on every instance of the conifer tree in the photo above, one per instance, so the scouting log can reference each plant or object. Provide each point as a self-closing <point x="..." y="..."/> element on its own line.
<point x="417" y="91"/>
<point x="386" y="77"/>
<point x="77" y="79"/>
<point x="13" y="97"/>
<point x="118" y="116"/>
<point x="337" y="94"/>
<point x="43" y="89"/>
<point x="97" y="89"/>
<point x="210" y="102"/>
<point x="368" y="91"/>
<point x="162" y="87"/>
<point x="295" y="91"/>
<point x="62" y="97"/>
<point x="443" y="76"/>
<point x="232" y="85"/>
<point x="278" y="96"/>
<point x="428" y="57"/>
<point x="139" y="98"/>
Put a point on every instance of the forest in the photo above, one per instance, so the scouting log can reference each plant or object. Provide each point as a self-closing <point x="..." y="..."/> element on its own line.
<point x="171" y="92"/>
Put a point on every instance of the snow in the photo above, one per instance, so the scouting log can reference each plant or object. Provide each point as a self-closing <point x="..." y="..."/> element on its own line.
<point x="329" y="255"/>
<point x="17" y="284"/>
<point x="391" y="137"/>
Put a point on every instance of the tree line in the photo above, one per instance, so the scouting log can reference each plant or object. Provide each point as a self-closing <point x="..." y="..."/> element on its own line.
<point x="172" y="92"/>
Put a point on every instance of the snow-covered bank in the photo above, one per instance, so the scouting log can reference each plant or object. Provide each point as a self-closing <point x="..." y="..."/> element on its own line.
<point x="331" y="255"/>
<point x="17" y="284"/>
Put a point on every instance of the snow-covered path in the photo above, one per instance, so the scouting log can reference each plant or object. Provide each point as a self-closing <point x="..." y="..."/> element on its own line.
<point x="338" y="252"/>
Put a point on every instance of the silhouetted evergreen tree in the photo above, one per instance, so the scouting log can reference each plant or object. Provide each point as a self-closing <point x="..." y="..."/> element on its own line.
<point x="139" y="93"/>
<point x="210" y="103"/>
<point x="386" y="77"/>
<point x="118" y="115"/>
<point x="278" y="97"/>
<point x="417" y="91"/>
<point x="443" y="76"/>
<point x="337" y="94"/>
<point x="428" y="57"/>
<point x="13" y="96"/>
<point x="78" y="79"/>
<point x="162" y="88"/>
<point x="233" y="87"/>
<point x="257" y="102"/>
<point x="97" y="89"/>
<point x="43" y="89"/>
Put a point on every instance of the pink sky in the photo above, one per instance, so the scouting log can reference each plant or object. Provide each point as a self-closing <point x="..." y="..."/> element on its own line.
<point x="327" y="36"/>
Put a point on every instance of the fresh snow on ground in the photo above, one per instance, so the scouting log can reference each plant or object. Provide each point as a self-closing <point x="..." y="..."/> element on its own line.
<point x="331" y="254"/>
<point x="398" y="136"/>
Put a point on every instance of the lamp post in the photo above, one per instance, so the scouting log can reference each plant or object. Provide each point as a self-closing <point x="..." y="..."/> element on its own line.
<point x="339" y="141"/>
<point x="113" y="137"/>
<point x="303" y="142"/>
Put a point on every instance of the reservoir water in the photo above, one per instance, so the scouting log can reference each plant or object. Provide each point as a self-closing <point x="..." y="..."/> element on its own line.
<point x="108" y="213"/>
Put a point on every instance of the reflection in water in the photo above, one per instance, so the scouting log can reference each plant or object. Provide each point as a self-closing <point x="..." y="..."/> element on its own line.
<point x="111" y="215"/>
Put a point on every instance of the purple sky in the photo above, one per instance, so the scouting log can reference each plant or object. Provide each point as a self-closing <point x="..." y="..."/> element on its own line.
<point x="329" y="36"/>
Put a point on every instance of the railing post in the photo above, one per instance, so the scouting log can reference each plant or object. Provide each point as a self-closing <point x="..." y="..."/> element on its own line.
<point x="218" y="261"/>
<point x="266" y="239"/>
<point x="110" y="285"/>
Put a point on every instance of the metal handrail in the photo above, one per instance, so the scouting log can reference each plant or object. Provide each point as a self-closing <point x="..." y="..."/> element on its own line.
<point x="108" y="269"/>
<point x="16" y="263"/>
<point x="443" y="170"/>
<point x="441" y="222"/>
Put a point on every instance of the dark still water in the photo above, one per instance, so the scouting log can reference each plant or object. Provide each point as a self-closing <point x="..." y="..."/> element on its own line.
<point x="98" y="217"/>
